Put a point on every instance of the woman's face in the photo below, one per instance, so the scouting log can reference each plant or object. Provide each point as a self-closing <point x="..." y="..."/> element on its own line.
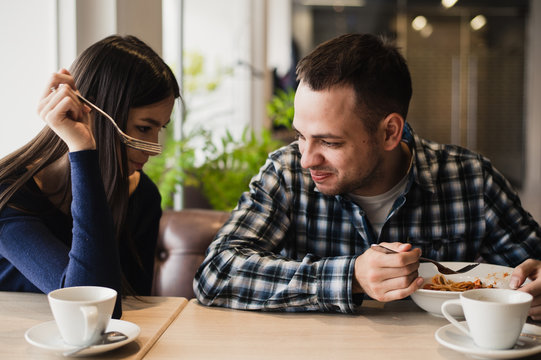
<point x="145" y="123"/>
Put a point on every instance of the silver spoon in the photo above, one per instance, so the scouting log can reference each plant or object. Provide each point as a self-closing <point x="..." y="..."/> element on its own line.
<point x="441" y="268"/>
<point x="106" y="338"/>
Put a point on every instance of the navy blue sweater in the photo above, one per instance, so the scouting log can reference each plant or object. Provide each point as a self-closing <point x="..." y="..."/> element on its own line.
<point x="42" y="249"/>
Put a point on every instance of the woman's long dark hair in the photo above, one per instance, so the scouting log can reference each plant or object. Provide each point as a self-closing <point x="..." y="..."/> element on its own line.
<point x="117" y="74"/>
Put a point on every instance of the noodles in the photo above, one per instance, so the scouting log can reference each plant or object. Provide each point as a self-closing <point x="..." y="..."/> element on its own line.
<point x="439" y="282"/>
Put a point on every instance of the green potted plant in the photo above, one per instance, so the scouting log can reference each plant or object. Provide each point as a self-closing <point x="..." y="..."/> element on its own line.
<point x="229" y="167"/>
<point x="223" y="174"/>
<point x="219" y="167"/>
<point x="280" y="108"/>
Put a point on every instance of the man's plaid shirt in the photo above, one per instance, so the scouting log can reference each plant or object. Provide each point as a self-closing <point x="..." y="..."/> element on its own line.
<point x="289" y="247"/>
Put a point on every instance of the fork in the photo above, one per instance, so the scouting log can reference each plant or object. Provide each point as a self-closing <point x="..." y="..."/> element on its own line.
<point x="146" y="146"/>
<point x="441" y="268"/>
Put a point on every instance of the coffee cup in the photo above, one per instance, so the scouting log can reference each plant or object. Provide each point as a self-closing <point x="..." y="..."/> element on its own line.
<point x="82" y="313"/>
<point x="495" y="317"/>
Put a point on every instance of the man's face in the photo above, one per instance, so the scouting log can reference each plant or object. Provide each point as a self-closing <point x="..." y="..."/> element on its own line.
<point x="341" y="155"/>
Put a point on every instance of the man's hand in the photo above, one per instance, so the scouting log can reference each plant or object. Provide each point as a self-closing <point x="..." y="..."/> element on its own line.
<point x="387" y="277"/>
<point x="529" y="269"/>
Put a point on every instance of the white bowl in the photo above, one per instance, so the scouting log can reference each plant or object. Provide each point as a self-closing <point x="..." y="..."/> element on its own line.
<point x="431" y="300"/>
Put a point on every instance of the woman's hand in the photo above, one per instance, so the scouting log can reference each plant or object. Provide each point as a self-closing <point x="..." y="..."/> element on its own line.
<point x="62" y="111"/>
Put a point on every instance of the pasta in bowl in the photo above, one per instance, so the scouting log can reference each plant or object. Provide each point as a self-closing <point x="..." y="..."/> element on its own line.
<point x="438" y="288"/>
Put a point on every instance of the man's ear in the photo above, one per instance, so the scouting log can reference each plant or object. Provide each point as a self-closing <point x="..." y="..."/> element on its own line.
<point x="393" y="125"/>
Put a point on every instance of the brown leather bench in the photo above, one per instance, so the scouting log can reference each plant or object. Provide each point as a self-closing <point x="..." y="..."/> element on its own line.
<point x="182" y="241"/>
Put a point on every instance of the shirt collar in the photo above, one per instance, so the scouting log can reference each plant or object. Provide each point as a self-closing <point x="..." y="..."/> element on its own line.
<point x="422" y="160"/>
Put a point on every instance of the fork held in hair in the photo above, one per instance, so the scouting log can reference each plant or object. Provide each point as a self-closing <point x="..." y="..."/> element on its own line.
<point x="146" y="146"/>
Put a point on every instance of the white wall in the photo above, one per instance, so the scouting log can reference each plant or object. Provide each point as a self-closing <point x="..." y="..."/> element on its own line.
<point x="28" y="38"/>
<point x="224" y="37"/>
<point x="142" y="18"/>
<point x="94" y="20"/>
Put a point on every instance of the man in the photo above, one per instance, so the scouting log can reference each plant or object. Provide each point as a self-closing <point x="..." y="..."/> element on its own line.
<point x="300" y="239"/>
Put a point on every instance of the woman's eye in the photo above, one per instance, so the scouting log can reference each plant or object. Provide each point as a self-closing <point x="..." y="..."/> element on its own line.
<point x="143" y="129"/>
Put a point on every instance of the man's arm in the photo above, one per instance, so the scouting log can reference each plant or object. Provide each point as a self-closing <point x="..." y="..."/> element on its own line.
<point x="244" y="269"/>
<point x="513" y="237"/>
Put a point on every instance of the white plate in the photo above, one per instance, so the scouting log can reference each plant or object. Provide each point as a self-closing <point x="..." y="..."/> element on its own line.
<point x="431" y="300"/>
<point x="449" y="336"/>
<point x="47" y="336"/>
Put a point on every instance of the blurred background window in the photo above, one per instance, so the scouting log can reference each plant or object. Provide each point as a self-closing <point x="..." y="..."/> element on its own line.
<point x="29" y="56"/>
<point x="474" y="63"/>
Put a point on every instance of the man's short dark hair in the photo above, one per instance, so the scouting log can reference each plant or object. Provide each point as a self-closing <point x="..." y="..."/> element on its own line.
<point x="373" y="66"/>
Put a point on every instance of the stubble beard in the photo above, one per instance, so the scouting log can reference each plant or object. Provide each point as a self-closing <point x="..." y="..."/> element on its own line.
<point x="360" y="181"/>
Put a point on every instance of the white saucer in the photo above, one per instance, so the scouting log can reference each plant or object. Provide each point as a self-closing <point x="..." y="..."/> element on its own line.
<point x="449" y="336"/>
<point x="47" y="336"/>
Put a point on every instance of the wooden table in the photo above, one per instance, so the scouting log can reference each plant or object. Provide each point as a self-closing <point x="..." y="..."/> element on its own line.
<point x="397" y="330"/>
<point x="21" y="311"/>
<point x="172" y="328"/>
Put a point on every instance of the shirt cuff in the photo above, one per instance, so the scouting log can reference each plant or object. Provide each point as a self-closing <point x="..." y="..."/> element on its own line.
<point x="335" y="289"/>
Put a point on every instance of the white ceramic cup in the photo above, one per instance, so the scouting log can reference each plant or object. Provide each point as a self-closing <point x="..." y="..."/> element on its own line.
<point x="82" y="313"/>
<point x="495" y="317"/>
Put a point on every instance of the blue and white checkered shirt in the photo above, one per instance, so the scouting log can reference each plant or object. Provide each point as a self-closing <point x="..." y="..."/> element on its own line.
<point x="289" y="247"/>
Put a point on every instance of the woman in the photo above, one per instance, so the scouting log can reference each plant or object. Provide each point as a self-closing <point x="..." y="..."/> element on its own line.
<point x="75" y="207"/>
